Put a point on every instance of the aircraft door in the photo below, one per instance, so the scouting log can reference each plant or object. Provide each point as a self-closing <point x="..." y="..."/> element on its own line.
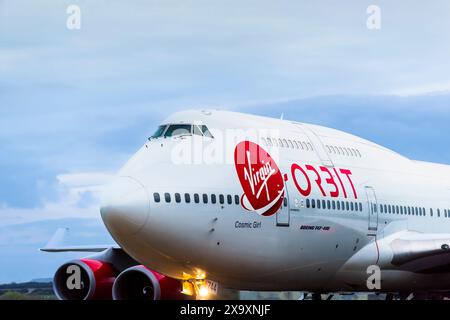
<point x="372" y="209"/>
<point x="284" y="215"/>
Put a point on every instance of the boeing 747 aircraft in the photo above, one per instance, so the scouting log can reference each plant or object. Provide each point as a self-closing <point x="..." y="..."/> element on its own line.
<point x="217" y="198"/>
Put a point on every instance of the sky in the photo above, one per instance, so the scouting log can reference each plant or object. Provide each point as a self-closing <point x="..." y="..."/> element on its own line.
<point x="76" y="104"/>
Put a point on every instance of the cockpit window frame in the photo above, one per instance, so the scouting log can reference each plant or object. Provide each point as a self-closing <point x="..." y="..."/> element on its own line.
<point x="179" y="135"/>
<point x="200" y="128"/>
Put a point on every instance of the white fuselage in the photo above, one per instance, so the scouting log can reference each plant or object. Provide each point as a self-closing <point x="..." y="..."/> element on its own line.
<point x="302" y="246"/>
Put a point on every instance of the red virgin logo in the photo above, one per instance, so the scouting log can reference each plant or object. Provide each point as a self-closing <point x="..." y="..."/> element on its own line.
<point x="260" y="179"/>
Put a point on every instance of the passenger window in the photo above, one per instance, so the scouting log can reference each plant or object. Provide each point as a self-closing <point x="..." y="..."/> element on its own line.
<point x="177" y="198"/>
<point x="318" y="204"/>
<point x="187" y="198"/>
<point x="347" y="206"/>
<point x="229" y="199"/>
<point x="329" y="204"/>
<point x="381" y="208"/>
<point x="296" y="144"/>
<point x="313" y="203"/>
<point x="206" y="132"/>
<point x="308" y="203"/>
<point x="178" y="130"/>
<point x="291" y="144"/>
<point x="310" y="145"/>
<point x="156" y="197"/>
<point x="205" y="198"/>
<point x="221" y="199"/>
<point x="333" y="204"/>
<point x="196" y="198"/>
<point x="324" y="204"/>
<point x="280" y="143"/>
<point x="275" y="142"/>
<point x="236" y="199"/>
<point x="352" y="208"/>
<point x="339" y="205"/>
<point x="167" y="197"/>
<point x="264" y="141"/>
<point x="360" y="207"/>
<point x="285" y="202"/>
<point x="269" y="142"/>
<point x="213" y="199"/>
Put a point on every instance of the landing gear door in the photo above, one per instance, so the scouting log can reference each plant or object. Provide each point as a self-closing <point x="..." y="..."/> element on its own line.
<point x="372" y="209"/>
<point x="283" y="215"/>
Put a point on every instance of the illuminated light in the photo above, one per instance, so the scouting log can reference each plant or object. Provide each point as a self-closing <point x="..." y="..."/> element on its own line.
<point x="203" y="292"/>
<point x="188" y="288"/>
<point x="201" y="275"/>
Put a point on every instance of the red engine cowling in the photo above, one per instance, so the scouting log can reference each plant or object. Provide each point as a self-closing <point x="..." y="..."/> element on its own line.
<point x="84" y="279"/>
<point x="141" y="283"/>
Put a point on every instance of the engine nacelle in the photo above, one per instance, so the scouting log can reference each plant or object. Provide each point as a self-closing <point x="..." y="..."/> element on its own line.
<point x="141" y="283"/>
<point x="84" y="279"/>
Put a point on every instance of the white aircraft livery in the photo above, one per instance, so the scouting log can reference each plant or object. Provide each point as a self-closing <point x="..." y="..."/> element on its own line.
<point x="224" y="199"/>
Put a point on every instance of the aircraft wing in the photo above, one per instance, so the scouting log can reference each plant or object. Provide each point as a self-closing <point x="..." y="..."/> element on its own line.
<point x="54" y="245"/>
<point x="94" y="248"/>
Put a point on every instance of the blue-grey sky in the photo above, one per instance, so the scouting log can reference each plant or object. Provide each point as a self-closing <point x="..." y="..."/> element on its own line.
<point x="75" y="104"/>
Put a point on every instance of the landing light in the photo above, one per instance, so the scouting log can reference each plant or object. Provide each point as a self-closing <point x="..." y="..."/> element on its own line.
<point x="203" y="292"/>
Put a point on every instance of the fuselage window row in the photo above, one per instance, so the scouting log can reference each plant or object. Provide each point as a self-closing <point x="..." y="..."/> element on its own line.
<point x="334" y="205"/>
<point x="206" y="198"/>
<point x="344" y="151"/>
<point x="287" y="143"/>
<point x="310" y="203"/>
<point x="212" y="198"/>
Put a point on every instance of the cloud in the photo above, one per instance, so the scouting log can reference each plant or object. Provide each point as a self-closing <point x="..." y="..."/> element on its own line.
<point x="78" y="198"/>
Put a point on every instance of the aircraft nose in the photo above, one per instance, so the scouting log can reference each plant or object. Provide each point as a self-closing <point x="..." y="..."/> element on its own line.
<point x="125" y="206"/>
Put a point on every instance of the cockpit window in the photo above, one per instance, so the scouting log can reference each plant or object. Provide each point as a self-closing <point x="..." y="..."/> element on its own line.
<point x="159" y="132"/>
<point x="206" y="132"/>
<point x="178" y="130"/>
<point x="173" y="130"/>
<point x="197" y="131"/>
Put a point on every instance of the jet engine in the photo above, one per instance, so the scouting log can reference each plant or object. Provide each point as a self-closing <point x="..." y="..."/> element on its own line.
<point x="84" y="279"/>
<point x="141" y="283"/>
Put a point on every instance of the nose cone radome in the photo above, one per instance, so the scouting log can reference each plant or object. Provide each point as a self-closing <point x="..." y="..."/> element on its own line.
<point x="125" y="206"/>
